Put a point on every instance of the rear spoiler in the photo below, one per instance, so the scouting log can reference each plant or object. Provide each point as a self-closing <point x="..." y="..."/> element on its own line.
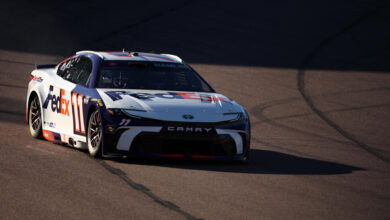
<point x="45" y="66"/>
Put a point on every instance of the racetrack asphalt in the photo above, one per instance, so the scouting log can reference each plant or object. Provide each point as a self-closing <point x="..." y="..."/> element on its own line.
<point x="313" y="75"/>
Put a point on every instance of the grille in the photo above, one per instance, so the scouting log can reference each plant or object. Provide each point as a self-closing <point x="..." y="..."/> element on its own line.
<point x="158" y="143"/>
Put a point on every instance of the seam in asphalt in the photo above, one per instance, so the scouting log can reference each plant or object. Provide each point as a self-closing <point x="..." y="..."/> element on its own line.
<point x="118" y="172"/>
<point x="144" y="20"/>
<point x="309" y="101"/>
<point x="143" y="189"/>
<point x="16" y="62"/>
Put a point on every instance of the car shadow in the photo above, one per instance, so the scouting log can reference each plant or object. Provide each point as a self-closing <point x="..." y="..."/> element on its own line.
<point x="261" y="162"/>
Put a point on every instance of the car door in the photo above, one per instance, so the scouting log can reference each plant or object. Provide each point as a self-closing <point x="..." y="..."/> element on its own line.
<point x="57" y="104"/>
<point x="63" y="108"/>
<point x="81" y="78"/>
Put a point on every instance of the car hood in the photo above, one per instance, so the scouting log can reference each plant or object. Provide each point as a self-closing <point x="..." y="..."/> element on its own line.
<point x="172" y="105"/>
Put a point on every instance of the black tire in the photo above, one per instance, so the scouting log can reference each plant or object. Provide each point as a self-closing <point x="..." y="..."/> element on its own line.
<point x="35" y="118"/>
<point x="94" y="134"/>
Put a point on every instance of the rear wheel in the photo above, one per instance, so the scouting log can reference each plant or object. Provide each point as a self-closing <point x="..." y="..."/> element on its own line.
<point x="95" y="134"/>
<point x="35" y="118"/>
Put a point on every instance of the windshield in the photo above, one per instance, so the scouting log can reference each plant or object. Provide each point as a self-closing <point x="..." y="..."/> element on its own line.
<point x="150" y="76"/>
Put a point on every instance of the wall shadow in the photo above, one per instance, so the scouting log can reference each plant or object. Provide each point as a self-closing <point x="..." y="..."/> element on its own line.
<point x="261" y="162"/>
<point x="279" y="33"/>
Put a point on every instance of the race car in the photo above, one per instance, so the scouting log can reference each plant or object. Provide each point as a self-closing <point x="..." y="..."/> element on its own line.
<point x="134" y="104"/>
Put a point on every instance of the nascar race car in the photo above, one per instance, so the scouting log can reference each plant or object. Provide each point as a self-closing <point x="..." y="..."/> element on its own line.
<point x="134" y="104"/>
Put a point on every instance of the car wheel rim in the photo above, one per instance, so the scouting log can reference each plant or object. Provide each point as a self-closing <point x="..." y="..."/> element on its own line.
<point x="35" y="114"/>
<point x="94" y="130"/>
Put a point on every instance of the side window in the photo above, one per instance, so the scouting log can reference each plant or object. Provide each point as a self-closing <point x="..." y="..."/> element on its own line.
<point x="77" y="70"/>
<point x="83" y="70"/>
<point x="65" y="66"/>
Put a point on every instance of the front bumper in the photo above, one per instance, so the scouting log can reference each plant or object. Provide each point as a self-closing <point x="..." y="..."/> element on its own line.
<point x="154" y="141"/>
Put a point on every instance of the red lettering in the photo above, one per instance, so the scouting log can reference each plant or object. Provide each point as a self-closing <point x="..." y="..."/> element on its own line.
<point x="67" y="107"/>
<point x="62" y="101"/>
<point x="206" y="98"/>
<point x="189" y="95"/>
<point x="64" y="104"/>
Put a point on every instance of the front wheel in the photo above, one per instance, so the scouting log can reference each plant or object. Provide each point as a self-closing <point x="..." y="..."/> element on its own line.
<point x="95" y="134"/>
<point x="34" y="118"/>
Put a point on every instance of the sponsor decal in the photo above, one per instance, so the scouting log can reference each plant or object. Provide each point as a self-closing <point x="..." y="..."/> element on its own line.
<point x="110" y="128"/>
<point x="59" y="104"/>
<point x="51" y="136"/>
<point x="86" y="99"/>
<point x="171" y="65"/>
<point x="50" y="124"/>
<point x="124" y="122"/>
<point x="69" y="62"/>
<point x="99" y="101"/>
<point x="118" y="95"/>
<point x="78" y="110"/>
<point x="36" y="78"/>
<point x="190" y="129"/>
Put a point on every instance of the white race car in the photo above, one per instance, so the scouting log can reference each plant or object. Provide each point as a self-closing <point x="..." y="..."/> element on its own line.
<point x="134" y="104"/>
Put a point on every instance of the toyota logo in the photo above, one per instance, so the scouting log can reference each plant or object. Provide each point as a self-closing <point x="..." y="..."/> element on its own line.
<point x="188" y="116"/>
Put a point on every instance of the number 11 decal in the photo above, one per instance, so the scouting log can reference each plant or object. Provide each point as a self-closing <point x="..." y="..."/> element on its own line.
<point x="77" y="103"/>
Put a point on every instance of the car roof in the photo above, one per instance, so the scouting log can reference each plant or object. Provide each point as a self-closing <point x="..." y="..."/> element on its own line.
<point x="134" y="56"/>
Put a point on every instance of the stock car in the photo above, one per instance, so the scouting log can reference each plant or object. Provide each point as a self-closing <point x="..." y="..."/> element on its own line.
<point x="134" y="104"/>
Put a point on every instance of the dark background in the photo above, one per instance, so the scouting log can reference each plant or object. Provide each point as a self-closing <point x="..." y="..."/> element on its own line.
<point x="313" y="76"/>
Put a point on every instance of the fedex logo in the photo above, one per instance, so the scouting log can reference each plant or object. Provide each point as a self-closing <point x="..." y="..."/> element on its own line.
<point x="58" y="103"/>
<point x="117" y="95"/>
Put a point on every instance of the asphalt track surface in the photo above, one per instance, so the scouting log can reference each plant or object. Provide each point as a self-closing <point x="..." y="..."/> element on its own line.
<point x="314" y="76"/>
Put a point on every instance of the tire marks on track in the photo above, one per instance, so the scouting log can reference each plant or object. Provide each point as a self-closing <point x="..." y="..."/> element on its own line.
<point x="308" y="99"/>
<point x="261" y="108"/>
<point x="259" y="114"/>
<point x="143" y="189"/>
